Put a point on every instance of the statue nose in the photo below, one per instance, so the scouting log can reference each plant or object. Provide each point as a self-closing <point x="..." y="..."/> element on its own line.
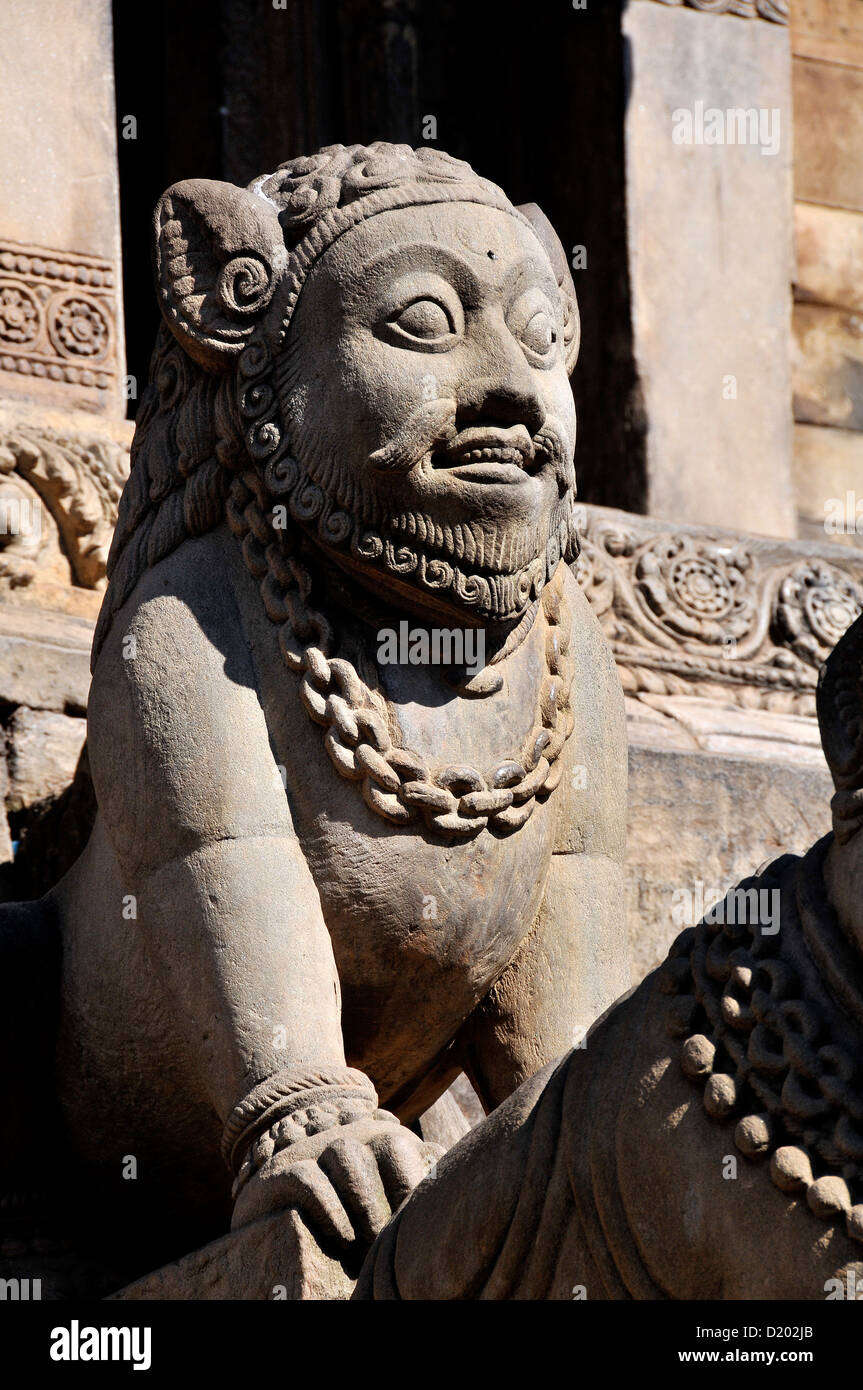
<point x="496" y="401"/>
<point x="503" y="391"/>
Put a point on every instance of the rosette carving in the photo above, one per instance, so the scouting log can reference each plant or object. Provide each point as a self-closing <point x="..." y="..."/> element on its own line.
<point x="815" y="605"/>
<point x="56" y="312"/>
<point x="20" y="315"/>
<point x="696" y="612"/>
<point x="696" y="590"/>
<point x="78" y="328"/>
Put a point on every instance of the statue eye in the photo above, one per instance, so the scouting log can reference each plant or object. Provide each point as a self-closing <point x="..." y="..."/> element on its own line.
<point x="425" y="319"/>
<point x="533" y="322"/>
<point x="539" y="334"/>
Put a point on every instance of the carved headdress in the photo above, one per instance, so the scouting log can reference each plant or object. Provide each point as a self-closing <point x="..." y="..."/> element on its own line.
<point x="294" y="216"/>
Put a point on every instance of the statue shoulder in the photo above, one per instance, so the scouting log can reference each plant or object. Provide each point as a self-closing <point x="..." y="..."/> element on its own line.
<point x="589" y="642"/>
<point x="187" y="596"/>
<point x="176" y="647"/>
<point x="174" y="710"/>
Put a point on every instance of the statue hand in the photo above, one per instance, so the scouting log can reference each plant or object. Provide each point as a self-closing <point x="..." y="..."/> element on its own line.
<point x="345" y="1174"/>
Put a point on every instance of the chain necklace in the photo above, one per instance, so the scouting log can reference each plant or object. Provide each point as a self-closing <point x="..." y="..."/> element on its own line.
<point x="452" y="800"/>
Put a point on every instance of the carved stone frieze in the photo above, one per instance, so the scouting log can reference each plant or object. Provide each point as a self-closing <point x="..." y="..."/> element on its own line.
<point x="58" y="317"/>
<point x="59" y="493"/>
<point x="701" y="612"/>
<point x="775" y="10"/>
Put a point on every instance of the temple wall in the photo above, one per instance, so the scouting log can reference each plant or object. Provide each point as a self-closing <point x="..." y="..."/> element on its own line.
<point x="64" y="438"/>
<point x="708" y="159"/>
<point x="827" y="362"/>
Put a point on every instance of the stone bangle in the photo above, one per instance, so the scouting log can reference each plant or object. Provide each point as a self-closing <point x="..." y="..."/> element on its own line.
<point x="283" y="1093"/>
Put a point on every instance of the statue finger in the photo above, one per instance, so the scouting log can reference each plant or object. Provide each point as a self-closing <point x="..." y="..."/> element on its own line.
<point x="353" y="1172"/>
<point x="303" y="1186"/>
<point x="403" y="1162"/>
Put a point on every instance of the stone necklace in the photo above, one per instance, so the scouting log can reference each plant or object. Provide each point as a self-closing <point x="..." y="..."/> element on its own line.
<point x="452" y="800"/>
<point x="760" y="1042"/>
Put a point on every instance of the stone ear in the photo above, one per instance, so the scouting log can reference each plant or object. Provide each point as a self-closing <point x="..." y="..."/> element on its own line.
<point x="560" y="265"/>
<point x="840" y="709"/>
<point x="218" y="255"/>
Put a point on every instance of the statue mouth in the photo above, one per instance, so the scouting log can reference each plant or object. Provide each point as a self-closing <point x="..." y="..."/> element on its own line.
<point x="489" y="454"/>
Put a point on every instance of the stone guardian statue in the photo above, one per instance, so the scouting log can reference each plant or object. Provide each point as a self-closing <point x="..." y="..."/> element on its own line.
<point x="321" y="885"/>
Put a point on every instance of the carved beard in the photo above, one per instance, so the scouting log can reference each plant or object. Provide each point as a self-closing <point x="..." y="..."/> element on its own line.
<point x="492" y="567"/>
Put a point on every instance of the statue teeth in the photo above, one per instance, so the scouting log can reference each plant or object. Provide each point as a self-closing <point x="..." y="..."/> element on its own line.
<point x="492" y="454"/>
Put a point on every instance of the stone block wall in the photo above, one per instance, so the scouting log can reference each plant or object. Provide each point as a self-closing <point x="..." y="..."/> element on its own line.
<point x="64" y="439"/>
<point x="827" y="362"/>
<point x="718" y="638"/>
<point x="708" y="209"/>
<point x="44" y="682"/>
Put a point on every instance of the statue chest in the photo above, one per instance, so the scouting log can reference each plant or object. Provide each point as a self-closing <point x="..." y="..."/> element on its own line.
<point x="421" y="928"/>
<point x="422" y="921"/>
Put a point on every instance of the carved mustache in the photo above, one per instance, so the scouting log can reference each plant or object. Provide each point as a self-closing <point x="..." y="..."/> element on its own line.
<point x="432" y="427"/>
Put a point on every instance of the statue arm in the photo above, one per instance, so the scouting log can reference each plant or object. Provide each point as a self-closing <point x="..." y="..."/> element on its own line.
<point x="201" y="828"/>
<point x="200" y="824"/>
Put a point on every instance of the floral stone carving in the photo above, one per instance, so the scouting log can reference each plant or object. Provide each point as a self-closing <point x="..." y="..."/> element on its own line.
<point x="57" y="317"/>
<point x="690" y="611"/>
<point x="774" y="10"/>
<point x="58" y="507"/>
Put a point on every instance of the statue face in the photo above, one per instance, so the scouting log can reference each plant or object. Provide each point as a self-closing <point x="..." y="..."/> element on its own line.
<point x="425" y="390"/>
